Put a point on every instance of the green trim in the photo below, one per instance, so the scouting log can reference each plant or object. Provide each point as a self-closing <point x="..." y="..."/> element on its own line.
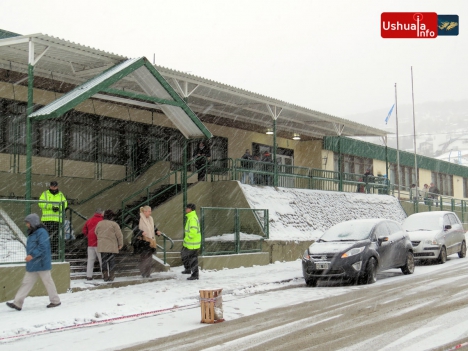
<point x="177" y="98"/>
<point x="365" y="149"/>
<point x="4" y="34"/>
<point x="85" y="94"/>
<point x="142" y="97"/>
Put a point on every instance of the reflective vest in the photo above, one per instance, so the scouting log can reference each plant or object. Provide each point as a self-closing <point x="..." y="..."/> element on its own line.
<point x="192" y="236"/>
<point x="48" y="214"/>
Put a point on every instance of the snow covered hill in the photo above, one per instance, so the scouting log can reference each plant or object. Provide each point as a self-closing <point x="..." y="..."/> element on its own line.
<point x="302" y="214"/>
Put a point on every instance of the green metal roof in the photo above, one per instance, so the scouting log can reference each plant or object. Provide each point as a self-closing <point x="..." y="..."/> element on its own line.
<point x="6" y="34"/>
<point x="152" y="87"/>
<point x="365" y="149"/>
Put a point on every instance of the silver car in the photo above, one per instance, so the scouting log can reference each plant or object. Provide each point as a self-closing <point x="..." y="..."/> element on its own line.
<point x="435" y="235"/>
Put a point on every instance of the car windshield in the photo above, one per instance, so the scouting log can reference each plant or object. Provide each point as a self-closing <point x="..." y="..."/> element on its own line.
<point x="415" y="223"/>
<point x="348" y="231"/>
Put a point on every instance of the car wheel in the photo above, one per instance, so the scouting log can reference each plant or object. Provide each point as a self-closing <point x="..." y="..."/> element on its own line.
<point x="442" y="256"/>
<point x="370" y="275"/>
<point x="408" y="268"/>
<point x="462" y="252"/>
<point x="311" y="282"/>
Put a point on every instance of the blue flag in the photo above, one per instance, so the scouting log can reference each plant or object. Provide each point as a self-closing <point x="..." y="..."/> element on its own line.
<point x="389" y="114"/>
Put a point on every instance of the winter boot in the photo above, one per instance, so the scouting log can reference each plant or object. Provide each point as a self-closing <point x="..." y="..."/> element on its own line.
<point x="105" y="276"/>
<point x="111" y="276"/>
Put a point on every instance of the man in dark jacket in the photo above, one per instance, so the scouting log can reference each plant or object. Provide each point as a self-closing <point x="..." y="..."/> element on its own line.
<point x="38" y="264"/>
<point x="248" y="164"/>
<point x="268" y="167"/>
<point x="201" y="155"/>
<point x="434" y="194"/>
<point x="93" y="253"/>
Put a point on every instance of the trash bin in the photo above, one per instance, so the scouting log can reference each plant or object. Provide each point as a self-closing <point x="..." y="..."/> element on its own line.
<point x="211" y="303"/>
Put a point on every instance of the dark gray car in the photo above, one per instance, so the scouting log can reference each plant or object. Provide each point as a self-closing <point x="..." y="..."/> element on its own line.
<point x="356" y="250"/>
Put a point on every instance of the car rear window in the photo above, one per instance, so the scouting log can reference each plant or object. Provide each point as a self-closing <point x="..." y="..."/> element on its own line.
<point x="413" y="223"/>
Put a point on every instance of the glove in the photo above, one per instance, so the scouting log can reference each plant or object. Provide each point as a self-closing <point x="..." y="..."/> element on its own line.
<point x="55" y="209"/>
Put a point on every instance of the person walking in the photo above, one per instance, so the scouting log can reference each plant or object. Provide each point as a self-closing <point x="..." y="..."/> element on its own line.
<point x="268" y="168"/>
<point x="434" y="194"/>
<point x="247" y="165"/>
<point x="192" y="243"/>
<point x="201" y="155"/>
<point x="38" y="264"/>
<point x="110" y="241"/>
<point x="368" y="178"/>
<point x="414" y="193"/>
<point x="93" y="253"/>
<point x="425" y="194"/>
<point x="52" y="213"/>
<point x="144" y="241"/>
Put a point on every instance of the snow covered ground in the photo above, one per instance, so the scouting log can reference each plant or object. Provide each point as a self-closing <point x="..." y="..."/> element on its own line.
<point x="106" y="319"/>
<point x="304" y="214"/>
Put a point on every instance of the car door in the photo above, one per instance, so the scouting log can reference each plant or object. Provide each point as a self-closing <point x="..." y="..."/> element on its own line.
<point x="448" y="234"/>
<point x="458" y="234"/>
<point x="398" y="237"/>
<point x="385" y="247"/>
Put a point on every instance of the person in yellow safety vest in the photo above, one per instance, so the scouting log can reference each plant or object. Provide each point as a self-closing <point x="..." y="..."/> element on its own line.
<point x="52" y="213"/>
<point x="192" y="243"/>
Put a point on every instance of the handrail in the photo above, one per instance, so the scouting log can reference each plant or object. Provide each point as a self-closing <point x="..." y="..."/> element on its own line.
<point x="163" y="248"/>
<point x="71" y="210"/>
<point x="117" y="182"/>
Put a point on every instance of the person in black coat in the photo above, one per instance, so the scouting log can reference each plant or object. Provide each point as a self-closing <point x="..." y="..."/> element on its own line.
<point x="142" y="247"/>
<point x="201" y="155"/>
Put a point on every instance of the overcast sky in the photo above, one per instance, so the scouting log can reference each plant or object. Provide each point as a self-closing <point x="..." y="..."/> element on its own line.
<point x="324" y="55"/>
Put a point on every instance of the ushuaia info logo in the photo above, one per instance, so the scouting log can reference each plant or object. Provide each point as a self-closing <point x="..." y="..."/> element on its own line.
<point x="421" y="25"/>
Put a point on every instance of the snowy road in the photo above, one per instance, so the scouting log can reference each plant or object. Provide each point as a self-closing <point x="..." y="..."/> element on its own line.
<point x="416" y="312"/>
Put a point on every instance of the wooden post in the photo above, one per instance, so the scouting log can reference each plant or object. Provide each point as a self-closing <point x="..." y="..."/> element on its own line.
<point x="211" y="304"/>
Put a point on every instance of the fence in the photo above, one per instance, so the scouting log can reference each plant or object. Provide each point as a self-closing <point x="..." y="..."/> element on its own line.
<point x="13" y="229"/>
<point x="262" y="173"/>
<point x="233" y="230"/>
<point x="438" y="203"/>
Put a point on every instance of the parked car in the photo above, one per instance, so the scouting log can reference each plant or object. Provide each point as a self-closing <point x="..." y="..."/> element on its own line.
<point x="356" y="250"/>
<point x="435" y="235"/>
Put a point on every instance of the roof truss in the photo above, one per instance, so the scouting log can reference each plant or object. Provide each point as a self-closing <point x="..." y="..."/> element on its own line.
<point x="157" y="92"/>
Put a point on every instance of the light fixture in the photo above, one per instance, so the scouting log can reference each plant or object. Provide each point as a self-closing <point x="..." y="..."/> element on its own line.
<point x="269" y="131"/>
<point x="296" y="137"/>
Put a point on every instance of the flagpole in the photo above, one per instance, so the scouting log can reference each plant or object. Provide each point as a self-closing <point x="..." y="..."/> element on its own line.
<point x="397" y="144"/>
<point x="414" y="132"/>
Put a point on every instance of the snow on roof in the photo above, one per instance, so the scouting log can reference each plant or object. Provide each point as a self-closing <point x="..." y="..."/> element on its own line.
<point x="303" y="214"/>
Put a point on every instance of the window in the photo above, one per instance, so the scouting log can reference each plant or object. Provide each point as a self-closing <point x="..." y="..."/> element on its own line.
<point x="353" y="164"/>
<point x="444" y="182"/>
<point x="406" y="175"/>
<point x="50" y="138"/>
<point x="393" y="227"/>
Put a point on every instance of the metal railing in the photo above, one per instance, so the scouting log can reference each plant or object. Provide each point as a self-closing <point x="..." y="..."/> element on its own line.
<point x="128" y="178"/>
<point x="423" y="202"/>
<point x="12" y="230"/>
<point x="233" y="230"/>
<point x="262" y="173"/>
<point x="150" y="192"/>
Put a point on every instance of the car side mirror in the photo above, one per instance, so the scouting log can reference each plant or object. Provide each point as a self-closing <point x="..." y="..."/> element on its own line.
<point x="383" y="239"/>
<point x="448" y="226"/>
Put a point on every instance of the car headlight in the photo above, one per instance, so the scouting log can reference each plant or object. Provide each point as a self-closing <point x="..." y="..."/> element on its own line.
<point x="431" y="242"/>
<point x="306" y="255"/>
<point x="353" y="251"/>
